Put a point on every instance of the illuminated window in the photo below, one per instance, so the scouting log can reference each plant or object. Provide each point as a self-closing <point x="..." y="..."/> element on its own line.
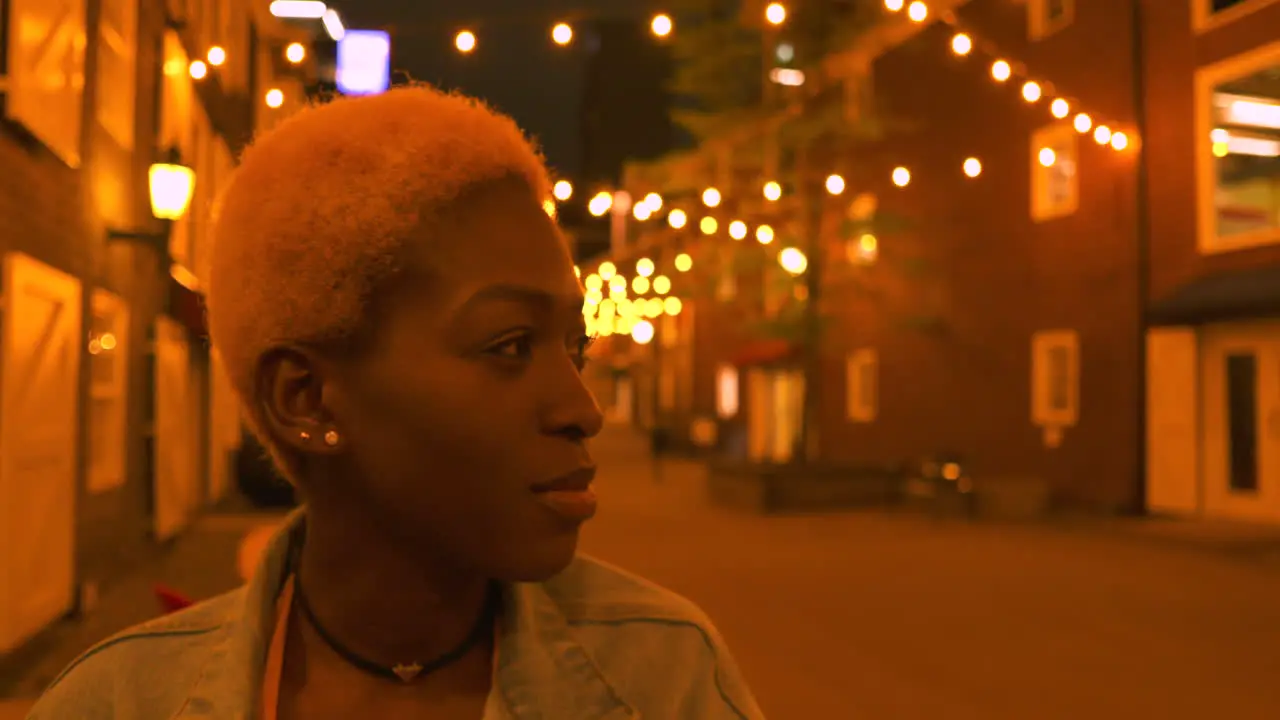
<point x="1055" y="378"/>
<point x="117" y="68"/>
<point x="726" y="391"/>
<point x="1207" y="14"/>
<point x="1045" y="17"/>
<point x="1055" y="182"/>
<point x="1239" y="152"/>
<point x="861" y="385"/>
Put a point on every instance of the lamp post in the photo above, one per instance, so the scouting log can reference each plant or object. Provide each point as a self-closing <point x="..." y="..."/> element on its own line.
<point x="170" y="185"/>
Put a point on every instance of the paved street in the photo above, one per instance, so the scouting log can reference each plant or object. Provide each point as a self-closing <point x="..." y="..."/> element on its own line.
<point x="873" y="615"/>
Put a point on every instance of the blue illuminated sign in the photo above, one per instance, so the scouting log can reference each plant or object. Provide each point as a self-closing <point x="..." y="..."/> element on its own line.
<point x="364" y="62"/>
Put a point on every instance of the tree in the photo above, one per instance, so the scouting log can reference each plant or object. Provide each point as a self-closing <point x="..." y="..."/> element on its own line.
<point x="717" y="85"/>
<point x="723" y="51"/>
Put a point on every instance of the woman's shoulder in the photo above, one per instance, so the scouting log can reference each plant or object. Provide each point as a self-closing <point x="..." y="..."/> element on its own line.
<point x="167" y="653"/>
<point x="658" y="648"/>
<point x="592" y="590"/>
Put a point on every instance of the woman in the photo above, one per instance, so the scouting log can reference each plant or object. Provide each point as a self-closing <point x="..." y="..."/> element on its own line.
<point x="402" y="322"/>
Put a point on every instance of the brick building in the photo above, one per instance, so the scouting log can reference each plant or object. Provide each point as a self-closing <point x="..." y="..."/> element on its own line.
<point x="114" y="426"/>
<point x="1041" y="320"/>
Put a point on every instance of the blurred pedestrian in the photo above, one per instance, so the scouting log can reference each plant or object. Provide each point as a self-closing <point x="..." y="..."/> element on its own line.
<point x="402" y="322"/>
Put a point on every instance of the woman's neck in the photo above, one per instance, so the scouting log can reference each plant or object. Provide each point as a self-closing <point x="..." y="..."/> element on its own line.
<point x="378" y="600"/>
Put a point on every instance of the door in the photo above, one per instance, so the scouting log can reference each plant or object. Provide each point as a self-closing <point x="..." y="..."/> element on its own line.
<point x="1173" y="422"/>
<point x="176" y="481"/>
<point x="1241" y="416"/>
<point x="39" y="420"/>
<point x="760" y="410"/>
<point x="774" y="404"/>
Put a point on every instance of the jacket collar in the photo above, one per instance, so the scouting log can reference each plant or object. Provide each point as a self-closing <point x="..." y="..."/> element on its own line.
<point x="543" y="671"/>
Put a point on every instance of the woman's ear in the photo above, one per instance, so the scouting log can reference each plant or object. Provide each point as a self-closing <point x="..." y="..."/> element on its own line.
<point x="290" y="384"/>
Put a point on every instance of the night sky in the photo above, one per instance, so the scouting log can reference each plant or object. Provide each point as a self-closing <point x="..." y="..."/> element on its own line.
<point x="515" y="66"/>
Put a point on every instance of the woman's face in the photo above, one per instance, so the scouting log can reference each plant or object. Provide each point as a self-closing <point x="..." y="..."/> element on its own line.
<point x="470" y="393"/>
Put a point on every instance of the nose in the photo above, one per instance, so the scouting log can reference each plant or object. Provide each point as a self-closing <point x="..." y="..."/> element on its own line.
<point x="570" y="409"/>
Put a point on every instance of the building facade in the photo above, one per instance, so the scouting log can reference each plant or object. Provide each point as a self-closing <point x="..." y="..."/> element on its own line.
<point x="1093" y="320"/>
<point x="115" y="426"/>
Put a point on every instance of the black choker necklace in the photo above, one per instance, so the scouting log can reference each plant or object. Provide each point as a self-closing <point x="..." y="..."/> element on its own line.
<point x="407" y="672"/>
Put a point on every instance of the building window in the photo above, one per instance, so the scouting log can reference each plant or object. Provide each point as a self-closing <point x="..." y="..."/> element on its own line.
<point x="117" y="69"/>
<point x="1055" y="378"/>
<point x="1208" y="14"/>
<point x="46" y="65"/>
<point x="1055" y="181"/>
<point x="726" y="391"/>
<point x="727" y="285"/>
<point x="1238" y="107"/>
<point x="670" y="331"/>
<point x="1045" y="17"/>
<point x="108" y="369"/>
<point x="861" y="381"/>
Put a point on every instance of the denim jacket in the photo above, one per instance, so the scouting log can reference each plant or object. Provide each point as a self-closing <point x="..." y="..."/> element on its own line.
<point x="592" y="643"/>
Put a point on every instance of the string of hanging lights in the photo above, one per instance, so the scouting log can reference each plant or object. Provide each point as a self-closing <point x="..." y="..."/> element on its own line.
<point x="964" y="44"/>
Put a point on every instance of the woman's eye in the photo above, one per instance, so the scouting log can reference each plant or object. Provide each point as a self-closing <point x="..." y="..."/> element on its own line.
<point x="517" y="348"/>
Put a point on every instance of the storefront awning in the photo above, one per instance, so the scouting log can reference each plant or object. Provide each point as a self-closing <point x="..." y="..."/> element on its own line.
<point x="1221" y="296"/>
<point x="765" y="352"/>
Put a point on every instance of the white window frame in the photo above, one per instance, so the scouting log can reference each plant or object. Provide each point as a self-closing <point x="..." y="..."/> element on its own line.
<point x="1206" y="79"/>
<point x="117" y="71"/>
<point x="861" y="406"/>
<point x="1055" y="135"/>
<point x="1039" y="26"/>
<point x="1043" y="345"/>
<point x="1203" y="19"/>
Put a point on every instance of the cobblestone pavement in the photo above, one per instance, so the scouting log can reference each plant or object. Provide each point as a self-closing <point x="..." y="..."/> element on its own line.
<point x="875" y="615"/>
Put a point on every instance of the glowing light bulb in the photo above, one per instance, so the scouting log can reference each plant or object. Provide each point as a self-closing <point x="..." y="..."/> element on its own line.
<point x="1059" y="108"/>
<point x="1031" y="91"/>
<point x="961" y="44"/>
<point x="1001" y="71"/>
<point x="972" y="167"/>
<point x="835" y="184"/>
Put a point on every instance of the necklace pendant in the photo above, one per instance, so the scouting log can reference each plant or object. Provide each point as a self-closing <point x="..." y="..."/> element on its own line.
<point x="407" y="673"/>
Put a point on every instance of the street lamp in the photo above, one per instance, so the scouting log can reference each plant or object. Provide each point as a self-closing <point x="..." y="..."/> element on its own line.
<point x="661" y="25"/>
<point x="562" y="34"/>
<point x="171" y="185"/>
<point x="465" y="41"/>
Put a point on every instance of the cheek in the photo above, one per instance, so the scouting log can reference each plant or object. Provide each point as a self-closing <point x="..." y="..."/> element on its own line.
<point x="447" y="415"/>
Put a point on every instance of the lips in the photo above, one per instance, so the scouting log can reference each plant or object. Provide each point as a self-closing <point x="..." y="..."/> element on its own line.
<point x="569" y="496"/>
<point x="575" y="481"/>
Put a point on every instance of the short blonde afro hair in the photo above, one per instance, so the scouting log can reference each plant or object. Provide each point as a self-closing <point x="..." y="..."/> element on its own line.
<point x="316" y="214"/>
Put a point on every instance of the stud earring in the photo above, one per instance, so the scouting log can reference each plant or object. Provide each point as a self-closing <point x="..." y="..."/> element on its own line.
<point x="304" y="435"/>
<point x="331" y="438"/>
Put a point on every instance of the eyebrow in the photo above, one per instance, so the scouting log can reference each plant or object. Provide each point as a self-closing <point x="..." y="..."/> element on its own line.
<point x="536" y="298"/>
